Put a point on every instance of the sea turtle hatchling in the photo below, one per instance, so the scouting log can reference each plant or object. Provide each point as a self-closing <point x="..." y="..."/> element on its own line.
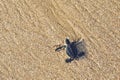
<point x="71" y="49"/>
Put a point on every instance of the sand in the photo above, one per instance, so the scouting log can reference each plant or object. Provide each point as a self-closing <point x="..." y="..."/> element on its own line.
<point x="30" y="29"/>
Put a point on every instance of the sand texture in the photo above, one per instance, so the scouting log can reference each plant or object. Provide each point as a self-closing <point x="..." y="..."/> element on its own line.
<point x="30" y="29"/>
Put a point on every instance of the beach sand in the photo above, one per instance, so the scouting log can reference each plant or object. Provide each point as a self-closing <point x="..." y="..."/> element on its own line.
<point x="30" y="29"/>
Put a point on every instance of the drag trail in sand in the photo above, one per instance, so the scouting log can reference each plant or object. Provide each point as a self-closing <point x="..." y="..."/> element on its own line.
<point x="29" y="29"/>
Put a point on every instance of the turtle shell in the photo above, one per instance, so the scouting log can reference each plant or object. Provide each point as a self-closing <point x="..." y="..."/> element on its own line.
<point x="71" y="50"/>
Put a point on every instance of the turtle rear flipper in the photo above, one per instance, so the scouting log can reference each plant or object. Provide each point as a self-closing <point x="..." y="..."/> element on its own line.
<point x="68" y="60"/>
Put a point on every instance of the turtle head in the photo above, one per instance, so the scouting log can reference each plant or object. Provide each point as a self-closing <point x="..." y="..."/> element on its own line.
<point x="67" y="41"/>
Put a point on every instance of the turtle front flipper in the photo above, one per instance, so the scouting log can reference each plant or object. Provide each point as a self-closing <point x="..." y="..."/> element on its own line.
<point x="79" y="41"/>
<point x="60" y="48"/>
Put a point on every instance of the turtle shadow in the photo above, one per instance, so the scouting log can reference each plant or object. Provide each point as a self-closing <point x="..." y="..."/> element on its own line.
<point x="81" y="50"/>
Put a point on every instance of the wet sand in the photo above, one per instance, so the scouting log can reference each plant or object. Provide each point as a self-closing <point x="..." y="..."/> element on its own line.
<point x="30" y="29"/>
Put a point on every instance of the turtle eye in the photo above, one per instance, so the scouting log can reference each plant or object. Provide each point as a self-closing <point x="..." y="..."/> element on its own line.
<point x="67" y="41"/>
